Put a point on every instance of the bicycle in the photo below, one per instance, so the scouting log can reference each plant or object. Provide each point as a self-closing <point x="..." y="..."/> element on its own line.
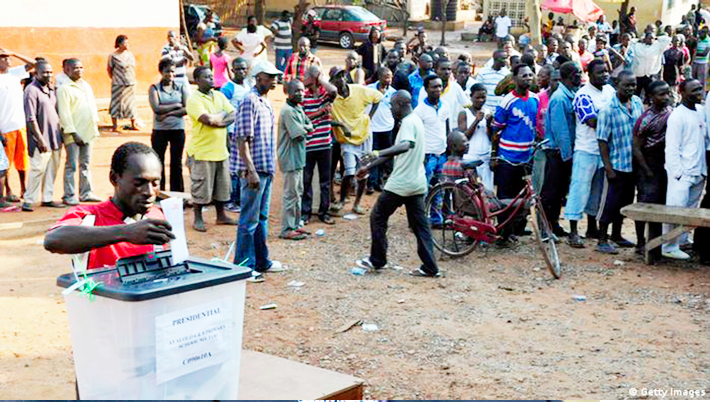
<point x="468" y="211"/>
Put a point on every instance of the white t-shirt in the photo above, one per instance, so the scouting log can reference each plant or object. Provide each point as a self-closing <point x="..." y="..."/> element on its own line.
<point x="434" y="125"/>
<point x="12" y="106"/>
<point x="264" y="33"/>
<point x="686" y="142"/>
<point x="479" y="146"/>
<point x="382" y="120"/>
<point x="251" y="43"/>
<point x="586" y="137"/>
<point x="503" y="25"/>
<point x="454" y="95"/>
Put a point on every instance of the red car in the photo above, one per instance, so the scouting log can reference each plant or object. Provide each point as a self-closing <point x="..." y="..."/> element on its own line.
<point x="346" y="25"/>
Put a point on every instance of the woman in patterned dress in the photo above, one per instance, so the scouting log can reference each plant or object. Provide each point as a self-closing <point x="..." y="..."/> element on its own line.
<point x="122" y="70"/>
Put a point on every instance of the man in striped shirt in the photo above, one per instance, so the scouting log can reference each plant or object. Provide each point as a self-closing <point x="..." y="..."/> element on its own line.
<point x="491" y="76"/>
<point x="282" y="40"/>
<point x="317" y="103"/>
<point x="299" y="63"/>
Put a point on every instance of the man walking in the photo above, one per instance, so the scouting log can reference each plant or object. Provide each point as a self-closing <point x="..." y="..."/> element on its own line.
<point x="12" y="117"/>
<point x="406" y="186"/>
<point x="294" y="126"/>
<point x="587" y="169"/>
<point x="503" y="24"/>
<point x="282" y="40"/>
<point x="615" y="136"/>
<point x="45" y="140"/>
<point x="560" y="133"/>
<point x="317" y="104"/>
<point x="207" y="154"/>
<point x="685" y="158"/>
<point x="255" y="161"/>
<point x="79" y="118"/>
<point x="299" y="63"/>
<point x="515" y="118"/>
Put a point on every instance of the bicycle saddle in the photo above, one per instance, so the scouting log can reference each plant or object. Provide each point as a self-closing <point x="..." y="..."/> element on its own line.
<point x="472" y="164"/>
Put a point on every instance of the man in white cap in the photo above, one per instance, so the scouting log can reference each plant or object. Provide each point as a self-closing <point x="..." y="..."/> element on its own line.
<point x="254" y="160"/>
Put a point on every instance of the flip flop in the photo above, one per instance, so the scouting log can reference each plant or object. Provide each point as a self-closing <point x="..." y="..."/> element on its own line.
<point x="11" y="208"/>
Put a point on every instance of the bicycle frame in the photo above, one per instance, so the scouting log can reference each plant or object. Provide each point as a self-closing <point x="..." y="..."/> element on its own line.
<point x="482" y="229"/>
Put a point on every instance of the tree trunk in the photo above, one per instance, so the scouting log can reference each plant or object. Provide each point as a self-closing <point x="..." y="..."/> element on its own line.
<point x="405" y="13"/>
<point x="622" y="16"/>
<point x="260" y="11"/>
<point x="297" y="24"/>
<point x="535" y="22"/>
<point x="444" y="6"/>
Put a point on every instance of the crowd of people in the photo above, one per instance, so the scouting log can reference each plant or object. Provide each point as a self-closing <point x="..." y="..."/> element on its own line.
<point x="616" y="118"/>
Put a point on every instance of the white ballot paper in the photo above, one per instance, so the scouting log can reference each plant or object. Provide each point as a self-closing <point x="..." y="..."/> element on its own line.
<point x="172" y="209"/>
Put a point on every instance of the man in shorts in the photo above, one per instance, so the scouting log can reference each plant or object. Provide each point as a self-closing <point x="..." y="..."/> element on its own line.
<point x="12" y="115"/>
<point x="207" y="153"/>
<point x="352" y="130"/>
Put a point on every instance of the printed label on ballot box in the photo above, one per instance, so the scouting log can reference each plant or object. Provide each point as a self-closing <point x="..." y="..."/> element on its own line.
<point x="192" y="339"/>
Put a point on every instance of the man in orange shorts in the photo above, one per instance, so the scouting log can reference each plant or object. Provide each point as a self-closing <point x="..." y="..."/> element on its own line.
<point x="12" y="116"/>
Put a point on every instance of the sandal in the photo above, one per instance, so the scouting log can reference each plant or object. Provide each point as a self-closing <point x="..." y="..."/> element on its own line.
<point x="359" y="210"/>
<point x="293" y="235"/>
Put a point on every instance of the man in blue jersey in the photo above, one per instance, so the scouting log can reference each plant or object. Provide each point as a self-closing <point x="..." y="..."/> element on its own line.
<point x="514" y="127"/>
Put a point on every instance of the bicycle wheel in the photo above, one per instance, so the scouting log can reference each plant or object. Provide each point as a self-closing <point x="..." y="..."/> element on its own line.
<point x="546" y="240"/>
<point x="444" y="202"/>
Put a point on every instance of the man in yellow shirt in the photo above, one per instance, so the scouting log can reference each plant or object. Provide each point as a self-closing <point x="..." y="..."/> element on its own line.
<point x="352" y="130"/>
<point x="79" y="118"/>
<point x="207" y="153"/>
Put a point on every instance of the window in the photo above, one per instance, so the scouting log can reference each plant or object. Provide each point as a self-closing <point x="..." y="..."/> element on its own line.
<point x="333" y="14"/>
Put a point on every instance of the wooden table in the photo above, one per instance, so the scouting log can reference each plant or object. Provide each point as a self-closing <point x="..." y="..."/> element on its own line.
<point x="266" y="377"/>
<point x="686" y="220"/>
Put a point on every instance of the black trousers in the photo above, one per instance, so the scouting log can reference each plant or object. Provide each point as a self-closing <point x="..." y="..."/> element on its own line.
<point x="617" y="194"/>
<point x="653" y="191"/>
<point x="642" y="84"/>
<point x="159" y="141"/>
<point x="380" y="140"/>
<point x="701" y="239"/>
<point x="555" y="184"/>
<point x="509" y="180"/>
<point x="386" y="205"/>
<point x="322" y="159"/>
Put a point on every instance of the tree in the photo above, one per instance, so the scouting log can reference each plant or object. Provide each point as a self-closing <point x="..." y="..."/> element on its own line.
<point x="444" y="20"/>
<point x="405" y="15"/>
<point x="260" y="11"/>
<point x="535" y="22"/>
<point x="297" y="25"/>
<point x="623" y="11"/>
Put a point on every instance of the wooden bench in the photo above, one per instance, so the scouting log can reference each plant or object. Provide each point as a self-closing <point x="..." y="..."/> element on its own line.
<point x="266" y="377"/>
<point x="687" y="219"/>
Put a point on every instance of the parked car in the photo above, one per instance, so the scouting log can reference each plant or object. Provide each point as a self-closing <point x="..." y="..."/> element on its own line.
<point x="194" y="14"/>
<point x="345" y="25"/>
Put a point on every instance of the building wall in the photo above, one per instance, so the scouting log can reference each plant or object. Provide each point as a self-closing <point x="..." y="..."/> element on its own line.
<point x="88" y="30"/>
<point x="648" y="11"/>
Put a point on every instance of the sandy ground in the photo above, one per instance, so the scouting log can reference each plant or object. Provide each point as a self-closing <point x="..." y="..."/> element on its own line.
<point x="497" y="326"/>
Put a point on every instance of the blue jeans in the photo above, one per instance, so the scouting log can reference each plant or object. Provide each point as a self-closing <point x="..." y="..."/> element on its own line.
<point x="433" y="164"/>
<point x="254" y="224"/>
<point x="585" y="189"/>
<point x="380" y="140"/>
<point x="234" y="197"/>
<point x="282" y="57"/>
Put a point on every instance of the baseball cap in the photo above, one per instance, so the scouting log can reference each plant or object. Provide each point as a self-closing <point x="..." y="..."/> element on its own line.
<point x="335" y="71"/>
<point x="266" y="68"/>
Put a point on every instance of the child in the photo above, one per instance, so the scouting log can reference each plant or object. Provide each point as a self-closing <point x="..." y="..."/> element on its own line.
<point x="475" y="122"/>
<point x="458" y="146"/>
<point x="220" y="62"/>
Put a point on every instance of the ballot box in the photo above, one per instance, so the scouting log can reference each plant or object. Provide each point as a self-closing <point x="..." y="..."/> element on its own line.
<point x="148" y="329"/>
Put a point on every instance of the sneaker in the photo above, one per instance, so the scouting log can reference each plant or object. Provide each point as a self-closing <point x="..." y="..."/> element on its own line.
<point x="623" y="243"/>
<point x="421" y="274"/>
<point x="607" y="248"/>
<point x="370" y="191"/>
<point x="276" y="266"/>
<point x="71" y="203"/>
<point x="27" y="207"/>
<point x="256" y="277"/>
<point x="328" y="220"/>
<point x="559" y="231"/>
<point x="292" y="235"/>
<point x="359" y="210"/>
<point x="53" y="204"/>
<point x="575" y="241"/>
<point x="91" y="198"/>
<point x="232" y="207"/>
<point x="676" y="254"/>
<point x="365" y="263"/>
<point x="336" y="207"/>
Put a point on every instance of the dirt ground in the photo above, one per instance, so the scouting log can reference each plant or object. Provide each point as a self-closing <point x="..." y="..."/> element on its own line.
<point x="496" y="326"/>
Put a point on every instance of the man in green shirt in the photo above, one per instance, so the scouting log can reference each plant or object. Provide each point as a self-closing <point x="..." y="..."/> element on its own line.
<point x="407" y="185"/>
<point x="293" y="128"/>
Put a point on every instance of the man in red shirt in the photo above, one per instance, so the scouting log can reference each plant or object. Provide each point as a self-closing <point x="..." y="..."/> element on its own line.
<point x="125" y="225"/>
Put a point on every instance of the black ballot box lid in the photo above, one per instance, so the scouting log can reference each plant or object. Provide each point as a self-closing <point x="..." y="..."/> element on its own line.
<point x="133" y="279"/>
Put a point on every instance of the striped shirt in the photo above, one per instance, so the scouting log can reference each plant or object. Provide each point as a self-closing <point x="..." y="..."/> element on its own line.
<point x="282" y="39"/>
<point x="321" y="136"/>
<point x="490" y="79"/>
<point x="615" y="126"/>
<point x="297" y="66"/>
<point x="255" y="122"/>
<point x="178" y="57"/>
<point x="516" y="116"/>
